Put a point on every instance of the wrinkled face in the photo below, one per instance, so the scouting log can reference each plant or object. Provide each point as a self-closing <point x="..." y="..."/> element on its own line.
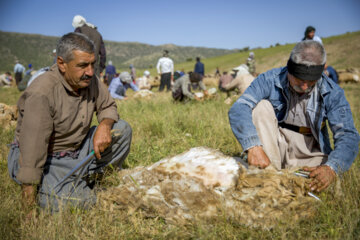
<point x="311" y="34"/>
<point x="79" y="71"/>
<point x="301" y="86"/>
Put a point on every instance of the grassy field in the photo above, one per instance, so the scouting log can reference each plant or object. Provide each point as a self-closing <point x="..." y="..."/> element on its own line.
<point x="160" y="129"/>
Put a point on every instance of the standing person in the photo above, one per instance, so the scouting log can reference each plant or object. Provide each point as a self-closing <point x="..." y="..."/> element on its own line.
<point x="54" y="55"/>
<point x="282" y="116"/>
<point x="250" y="63"/>
<point x="18" y="71"/>
<point x="182" y="87"/>
<point x="199" y="67"/>
<point x="132" y="73"/>
<point x="81" y="26"/>
<point x="217" y="73"/>
<point x="165" y="67"/>
<point x="54" y="132"/>
<point x="110" y="72"/>
<point x="120" y="84"/>
<point x="310" y="34"/>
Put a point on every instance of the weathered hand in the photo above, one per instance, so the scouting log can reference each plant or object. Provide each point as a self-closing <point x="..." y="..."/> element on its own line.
<point x="102" y="137"/>
<point x="257" y="157"/>
<point x="28" y="195"/>
<point x="322" y="176"/>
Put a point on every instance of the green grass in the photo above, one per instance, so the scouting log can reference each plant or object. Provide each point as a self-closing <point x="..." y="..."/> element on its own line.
<point x="159" y="128"/>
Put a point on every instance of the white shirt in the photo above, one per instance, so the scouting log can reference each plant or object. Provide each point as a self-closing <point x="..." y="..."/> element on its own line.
<point x="165" y="65"/>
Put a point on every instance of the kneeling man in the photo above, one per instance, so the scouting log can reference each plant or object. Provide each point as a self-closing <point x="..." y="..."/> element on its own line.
<point x="281" y="118"/>
<point x="53" y="132"/>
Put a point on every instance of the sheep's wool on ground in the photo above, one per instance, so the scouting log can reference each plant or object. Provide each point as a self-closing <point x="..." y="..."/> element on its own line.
<point x="203" y="184"/>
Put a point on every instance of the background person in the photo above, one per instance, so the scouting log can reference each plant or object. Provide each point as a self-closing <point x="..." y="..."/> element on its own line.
<point x="251" y="64"/>
<point x="81" y="26"/>
<point x="144" y="81"/>
<point x="165" y="67"/>
<point x="110" y="72"/>
<point x="182" y="87"/>
<point x="18" y="71"/>
<point x="120" y="84"/>
<point x="310" y="34"/>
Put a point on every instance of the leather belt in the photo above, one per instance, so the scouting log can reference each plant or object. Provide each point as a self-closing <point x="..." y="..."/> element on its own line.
<point x="302" y="130"/>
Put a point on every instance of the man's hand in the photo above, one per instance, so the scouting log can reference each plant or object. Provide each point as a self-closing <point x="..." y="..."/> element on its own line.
<point x="257" y="157"/>
<point x="29" y="200"/>
<point x="206" y="93"/>
<point x="28" y="195"/>
<point x="102" y="137"/>
<point x="322" y="176"/>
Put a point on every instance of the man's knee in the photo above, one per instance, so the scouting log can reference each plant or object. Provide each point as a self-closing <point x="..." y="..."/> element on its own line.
<point x="263" y="112"/>
<point x="123" y="128"/>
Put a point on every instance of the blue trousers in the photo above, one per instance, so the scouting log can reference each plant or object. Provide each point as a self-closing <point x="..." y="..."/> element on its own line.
<point x="83" y="194"/>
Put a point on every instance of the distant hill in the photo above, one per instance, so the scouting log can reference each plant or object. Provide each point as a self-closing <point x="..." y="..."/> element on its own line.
<point x="343" y="51"/>
<point x="37" y="49"/>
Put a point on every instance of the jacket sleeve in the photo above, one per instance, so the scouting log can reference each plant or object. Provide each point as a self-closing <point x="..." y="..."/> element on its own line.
<point x="105" y="104"/>
<point x="36" y="129"/>
<point x="240" y="114"/>
<point x="346" y="137"/>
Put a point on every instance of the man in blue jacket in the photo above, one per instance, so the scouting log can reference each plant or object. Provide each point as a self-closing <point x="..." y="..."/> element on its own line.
<point x="281" y="119"/>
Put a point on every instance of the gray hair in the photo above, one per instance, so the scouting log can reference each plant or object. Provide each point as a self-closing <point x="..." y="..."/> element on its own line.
<point x="73" y="41"/>
<point x="309" y="53"/>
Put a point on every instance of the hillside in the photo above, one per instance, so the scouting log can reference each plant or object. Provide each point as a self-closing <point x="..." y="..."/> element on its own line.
<point x="37" y="49"/>
<point x="343" y="51"/>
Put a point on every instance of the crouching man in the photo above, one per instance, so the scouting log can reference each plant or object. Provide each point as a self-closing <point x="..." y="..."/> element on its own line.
<point x="181" y="91"/>
<point x="53" y="132"/>
<point x="281" y="118"/>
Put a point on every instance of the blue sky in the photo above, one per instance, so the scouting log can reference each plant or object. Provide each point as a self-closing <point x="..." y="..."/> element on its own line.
<point x="220" y="24"/>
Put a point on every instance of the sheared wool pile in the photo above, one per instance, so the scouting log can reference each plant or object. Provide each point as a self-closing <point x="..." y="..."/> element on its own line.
<point x="203" y="184"/>
<point x="8" y="116"/>
<point x="147" y="94"/>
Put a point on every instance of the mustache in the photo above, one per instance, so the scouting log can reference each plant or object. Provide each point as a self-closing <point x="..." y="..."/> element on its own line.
<point x="85" y="77"/>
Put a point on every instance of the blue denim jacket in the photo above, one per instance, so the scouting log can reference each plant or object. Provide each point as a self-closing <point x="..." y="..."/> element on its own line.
<point x="328" y="103"/>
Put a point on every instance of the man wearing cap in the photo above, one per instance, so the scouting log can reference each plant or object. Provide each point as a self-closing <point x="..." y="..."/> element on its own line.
<point x="81" y="26"/>
<point x="54" y="133"/>
<point x="165" y="67"/>
<point x="281" y="118"/>
<point x="120" y="84"/>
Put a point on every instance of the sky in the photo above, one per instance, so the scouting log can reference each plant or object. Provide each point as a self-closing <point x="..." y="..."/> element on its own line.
<point x="213" y="23"/>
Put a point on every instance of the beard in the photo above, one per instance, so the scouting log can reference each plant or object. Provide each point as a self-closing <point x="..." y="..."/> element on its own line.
<point x="297" y="89"/>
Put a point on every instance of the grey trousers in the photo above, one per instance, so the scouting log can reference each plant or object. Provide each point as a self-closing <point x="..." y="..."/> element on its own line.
<point x="83" y="194"/>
